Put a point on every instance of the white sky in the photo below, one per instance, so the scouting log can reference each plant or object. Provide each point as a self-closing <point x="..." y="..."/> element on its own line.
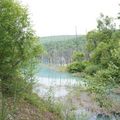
<point x="59" y="17"/>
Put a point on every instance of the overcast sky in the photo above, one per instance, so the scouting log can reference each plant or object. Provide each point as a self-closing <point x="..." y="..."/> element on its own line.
<point x="59" y="17"/>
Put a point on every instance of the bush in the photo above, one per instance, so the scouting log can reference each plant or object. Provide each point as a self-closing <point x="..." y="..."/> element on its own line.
<point x="92" y="69"/>
<point x="77" y="56"/>
<point x="76" y="67"/>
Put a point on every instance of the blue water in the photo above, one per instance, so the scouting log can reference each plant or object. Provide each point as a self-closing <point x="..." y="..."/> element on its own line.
<point x="45" y="71"/>
<point x="48" y="77"/>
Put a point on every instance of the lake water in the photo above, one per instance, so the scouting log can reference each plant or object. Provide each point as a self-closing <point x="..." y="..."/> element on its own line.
<point x="48" y="78"/>
<point x="51" y="81"/>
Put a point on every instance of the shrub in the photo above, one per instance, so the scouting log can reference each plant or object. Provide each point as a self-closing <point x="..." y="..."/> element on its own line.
<point x="77" y="56"/>
<point x="92" y="69"/>
<point x="76" y="67"/>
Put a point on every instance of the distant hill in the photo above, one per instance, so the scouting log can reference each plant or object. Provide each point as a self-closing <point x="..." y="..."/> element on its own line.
<point x="61" y="38"/>
<point x="59" y="49"/>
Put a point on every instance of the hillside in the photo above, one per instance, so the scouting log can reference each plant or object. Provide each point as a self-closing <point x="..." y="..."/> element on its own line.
<point x="60" y="38"/>
<point x="59" y="49"/>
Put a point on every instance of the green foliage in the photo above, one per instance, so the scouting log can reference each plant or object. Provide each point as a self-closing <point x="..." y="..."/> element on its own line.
<point x="103" y="45"/>
<point x="71" y="116"/>
<point x="83" y="116"/>
<point x="34" y="100"/>
<point x="77" y="64"/>
<point x="19" y="46"/>
<point x="92" y="69"/>
<point x="77" y="56"/>
<point x="114" y="65"/>
<point x="104" y="76"/>
<point x="19" y="49"/>
<point x="44" y="105"/>
<point x="109" y="74"/>
<point x="101" y="54"/>
<point x="76" y="67"/>
<point x="59" y="49"/>
<point x="105" y="23"/>
<point x="92" y="39"/>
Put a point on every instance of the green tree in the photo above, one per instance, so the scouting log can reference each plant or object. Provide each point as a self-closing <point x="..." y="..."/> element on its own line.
<point x="19" y="51"/>
<point x="103" y="45"/>
<point x="18" y="45"/>
<point x="99" y="40"/>
<point x="77" y="56"/>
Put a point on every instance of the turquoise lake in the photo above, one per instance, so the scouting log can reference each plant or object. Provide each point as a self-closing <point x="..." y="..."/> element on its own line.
<point x="49" y="79"/>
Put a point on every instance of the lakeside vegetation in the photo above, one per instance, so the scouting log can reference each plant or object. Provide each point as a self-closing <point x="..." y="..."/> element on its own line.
<point x="102" y="68"/>
<point x="95" y="56"/>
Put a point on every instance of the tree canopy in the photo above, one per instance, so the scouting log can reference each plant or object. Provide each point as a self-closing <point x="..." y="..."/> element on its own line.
<point x="19" y="45"/>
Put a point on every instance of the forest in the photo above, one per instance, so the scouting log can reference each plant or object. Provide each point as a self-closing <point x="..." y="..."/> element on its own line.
<point x="59" y="49"/>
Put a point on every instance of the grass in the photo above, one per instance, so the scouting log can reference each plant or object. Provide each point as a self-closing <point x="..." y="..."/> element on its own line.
<point x="45" y="106"/>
